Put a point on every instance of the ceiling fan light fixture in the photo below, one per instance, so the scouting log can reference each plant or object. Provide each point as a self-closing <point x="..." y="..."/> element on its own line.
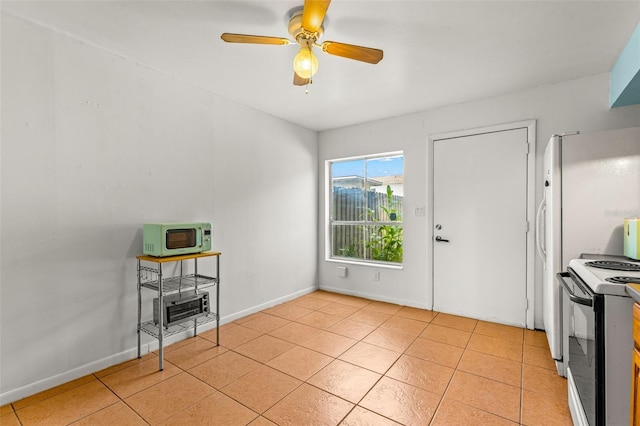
<point x="306" y="26"/>
<point x="305" y="64"/>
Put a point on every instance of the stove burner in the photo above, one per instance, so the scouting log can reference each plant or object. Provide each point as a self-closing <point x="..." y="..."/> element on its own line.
<point x="618" y="266"/>
<point x="624" y="280"/>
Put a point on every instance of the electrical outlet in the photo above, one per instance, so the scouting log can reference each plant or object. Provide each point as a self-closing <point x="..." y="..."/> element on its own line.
<point x="418" y="211"/>
<point x="376" y="275"/>
<point x="342" y="271"/>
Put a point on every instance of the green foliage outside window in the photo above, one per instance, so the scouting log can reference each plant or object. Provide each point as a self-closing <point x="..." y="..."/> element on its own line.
<point x="385" y="242"/>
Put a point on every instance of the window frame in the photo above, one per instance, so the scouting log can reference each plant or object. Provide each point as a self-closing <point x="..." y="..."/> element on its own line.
<point x="329" y="222"/>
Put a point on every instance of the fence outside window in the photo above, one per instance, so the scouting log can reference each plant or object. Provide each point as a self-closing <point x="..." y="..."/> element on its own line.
<point x="366" y="208"/>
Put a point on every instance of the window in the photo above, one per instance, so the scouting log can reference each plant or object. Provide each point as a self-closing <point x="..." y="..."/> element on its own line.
<point x="365" y="205"/>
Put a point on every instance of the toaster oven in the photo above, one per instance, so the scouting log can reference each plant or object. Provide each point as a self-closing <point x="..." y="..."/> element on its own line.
<point x="181" y="307"/>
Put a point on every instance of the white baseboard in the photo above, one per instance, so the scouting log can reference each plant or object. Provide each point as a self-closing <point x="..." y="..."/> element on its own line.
<point x="59" y="379"/>
<point x="402" y="302"/>
<point x="146" y="347"/>
<point x="265" y="305"/>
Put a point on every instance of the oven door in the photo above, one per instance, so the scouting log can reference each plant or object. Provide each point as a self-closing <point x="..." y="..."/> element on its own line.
<point x="582" y="337"/>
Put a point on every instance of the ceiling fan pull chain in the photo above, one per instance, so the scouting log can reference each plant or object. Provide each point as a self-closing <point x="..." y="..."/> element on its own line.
<point x="309" y="81"/>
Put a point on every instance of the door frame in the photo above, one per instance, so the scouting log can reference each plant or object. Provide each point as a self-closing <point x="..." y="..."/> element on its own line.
<point x="530" y="125"/>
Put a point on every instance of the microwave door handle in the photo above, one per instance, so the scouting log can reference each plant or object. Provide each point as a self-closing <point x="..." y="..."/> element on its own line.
<point x="572" y="296"/>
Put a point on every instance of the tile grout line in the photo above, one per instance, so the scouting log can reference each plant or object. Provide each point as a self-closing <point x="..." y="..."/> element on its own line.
<point x="444" y="394"/>
<point x="333" y="359"/>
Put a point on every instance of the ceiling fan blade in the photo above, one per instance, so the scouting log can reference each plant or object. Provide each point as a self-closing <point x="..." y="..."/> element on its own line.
<point x="253" y="39"/>
<point x="313" y="14"/>
<point x="299" y="81"/>
<point x="351" y="51"/>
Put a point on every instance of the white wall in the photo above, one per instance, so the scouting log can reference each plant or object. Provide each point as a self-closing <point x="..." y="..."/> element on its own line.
<point x="95" y="145"/>
<point x="575" y="105"/>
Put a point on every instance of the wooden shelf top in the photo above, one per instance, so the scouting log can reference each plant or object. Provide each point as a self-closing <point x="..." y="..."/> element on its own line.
<point x="633" y="290"/>
<point x="179" y="257"/>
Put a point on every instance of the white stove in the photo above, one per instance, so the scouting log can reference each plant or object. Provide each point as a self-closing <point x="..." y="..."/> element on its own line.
<point x="607" y="276"/>
<point x="597" y="337"/>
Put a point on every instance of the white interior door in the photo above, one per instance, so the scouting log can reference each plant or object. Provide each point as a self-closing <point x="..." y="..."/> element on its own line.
<point x="480" y="221"/>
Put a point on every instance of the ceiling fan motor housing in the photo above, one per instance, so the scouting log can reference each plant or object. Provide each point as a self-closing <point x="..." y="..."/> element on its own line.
<point x="298" y="33"/>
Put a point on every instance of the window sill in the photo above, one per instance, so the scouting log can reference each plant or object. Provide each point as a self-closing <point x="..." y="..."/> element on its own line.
<point x="366" y="263"/>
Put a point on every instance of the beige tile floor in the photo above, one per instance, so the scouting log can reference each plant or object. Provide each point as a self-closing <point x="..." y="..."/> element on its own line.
<point x="323" y="359"/>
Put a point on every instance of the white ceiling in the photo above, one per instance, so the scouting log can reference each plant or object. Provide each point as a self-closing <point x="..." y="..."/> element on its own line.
<point x="436" y="53"/>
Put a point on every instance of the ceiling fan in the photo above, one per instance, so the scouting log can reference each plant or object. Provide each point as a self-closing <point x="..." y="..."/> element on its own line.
<point x="305" y="26"/>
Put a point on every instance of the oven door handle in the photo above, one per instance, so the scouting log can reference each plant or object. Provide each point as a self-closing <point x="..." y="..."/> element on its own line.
<point x="572" y="296"/>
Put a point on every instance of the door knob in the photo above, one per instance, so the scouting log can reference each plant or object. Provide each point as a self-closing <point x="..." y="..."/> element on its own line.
<point x="441" y="240"/>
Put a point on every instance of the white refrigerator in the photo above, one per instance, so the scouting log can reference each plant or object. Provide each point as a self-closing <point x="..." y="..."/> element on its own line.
<point x="591" y="183"/>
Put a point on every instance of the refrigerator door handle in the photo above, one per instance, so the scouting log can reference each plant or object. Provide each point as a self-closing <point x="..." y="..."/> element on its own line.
<point x="542" y="250"/>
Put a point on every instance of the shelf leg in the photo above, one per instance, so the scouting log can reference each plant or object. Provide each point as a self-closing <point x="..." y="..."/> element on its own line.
<point x="195" y="281"/>
<point x="218" y="301"/>
<point x="160" y="320"/>
<point x="139" y="308"/>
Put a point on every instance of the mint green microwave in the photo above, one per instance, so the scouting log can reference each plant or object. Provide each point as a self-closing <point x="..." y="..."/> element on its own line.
<point x="172" y="239"/>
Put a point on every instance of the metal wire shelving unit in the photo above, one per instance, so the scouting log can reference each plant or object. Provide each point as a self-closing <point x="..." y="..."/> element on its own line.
<point x="151" y="277"/>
